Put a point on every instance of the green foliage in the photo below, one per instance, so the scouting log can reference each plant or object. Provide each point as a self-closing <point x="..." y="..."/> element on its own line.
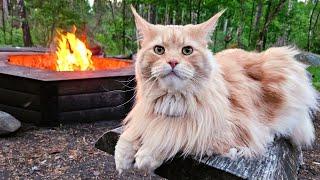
<point x="110" y="23"/>
<point x="315" y="71"/>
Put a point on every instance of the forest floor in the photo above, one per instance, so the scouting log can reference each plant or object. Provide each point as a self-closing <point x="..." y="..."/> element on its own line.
<point x="65" y="152"/>
<point x="68" y="152"/>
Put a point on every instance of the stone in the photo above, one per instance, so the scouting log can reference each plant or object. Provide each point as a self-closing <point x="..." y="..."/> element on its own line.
<point x="308" y="58"/>
<point x="281" y="161"/>
<point x="8" y="123"/>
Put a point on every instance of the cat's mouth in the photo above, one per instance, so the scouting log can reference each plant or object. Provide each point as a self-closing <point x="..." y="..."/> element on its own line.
<point x="172" y="74"/>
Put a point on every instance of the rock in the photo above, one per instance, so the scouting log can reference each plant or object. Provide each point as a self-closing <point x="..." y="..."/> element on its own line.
<point x="308" y="58"/>
<point x="8" y="123"/>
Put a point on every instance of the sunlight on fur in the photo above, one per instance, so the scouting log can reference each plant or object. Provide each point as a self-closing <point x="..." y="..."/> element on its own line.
<point x="232" y="103"/>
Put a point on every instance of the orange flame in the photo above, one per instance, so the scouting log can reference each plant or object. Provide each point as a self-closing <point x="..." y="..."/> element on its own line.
<point x="72" y="53"/>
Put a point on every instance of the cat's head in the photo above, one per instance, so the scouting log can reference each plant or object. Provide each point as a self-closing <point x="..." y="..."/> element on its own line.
<point x="176" y="57"/>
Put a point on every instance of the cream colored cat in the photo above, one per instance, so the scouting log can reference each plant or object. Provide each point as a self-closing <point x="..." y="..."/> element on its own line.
<point x="188" y="100"/>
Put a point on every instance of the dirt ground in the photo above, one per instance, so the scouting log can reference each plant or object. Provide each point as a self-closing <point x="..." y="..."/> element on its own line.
<point x="65" y="152"/>
<point x="68" y="152"/>
<point x="311" y="168"/>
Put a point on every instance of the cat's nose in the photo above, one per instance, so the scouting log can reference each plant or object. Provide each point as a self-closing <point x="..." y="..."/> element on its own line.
<point x="173" y="63"/>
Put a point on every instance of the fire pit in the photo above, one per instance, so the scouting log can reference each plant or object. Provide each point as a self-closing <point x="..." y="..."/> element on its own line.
<point x="32" y="91"/>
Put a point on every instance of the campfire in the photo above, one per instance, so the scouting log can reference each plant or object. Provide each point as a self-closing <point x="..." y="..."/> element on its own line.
<point x="71" y="54"/>
<point x="67" y="85"/>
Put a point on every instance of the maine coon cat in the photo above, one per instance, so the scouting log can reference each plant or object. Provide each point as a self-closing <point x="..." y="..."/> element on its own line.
<point x="232" y="103"/>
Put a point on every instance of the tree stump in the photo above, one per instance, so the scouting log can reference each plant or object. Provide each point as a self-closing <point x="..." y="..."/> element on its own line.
<point x="281" y="161"/>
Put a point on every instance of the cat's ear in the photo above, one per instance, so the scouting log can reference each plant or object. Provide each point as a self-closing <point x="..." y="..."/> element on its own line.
<point x="143" y="27"/>
<point x="209" y="26"/>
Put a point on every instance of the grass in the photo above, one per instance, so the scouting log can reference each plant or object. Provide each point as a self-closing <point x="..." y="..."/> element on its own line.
<point x="315" y="71"/>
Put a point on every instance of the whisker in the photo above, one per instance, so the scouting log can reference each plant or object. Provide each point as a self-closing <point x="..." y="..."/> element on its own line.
<point x="127" y="101"/>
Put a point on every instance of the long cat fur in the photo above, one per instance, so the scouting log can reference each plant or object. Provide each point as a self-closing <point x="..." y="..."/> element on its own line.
<point x="232" y="103"/>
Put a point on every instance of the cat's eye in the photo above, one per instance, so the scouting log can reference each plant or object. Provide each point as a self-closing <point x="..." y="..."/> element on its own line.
<point x="159" y="50"/>
<point x="187" y="50"/>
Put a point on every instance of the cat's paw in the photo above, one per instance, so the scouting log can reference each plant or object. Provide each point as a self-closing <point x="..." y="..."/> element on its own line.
<point x="123" y="161"/>
<point x="232" y="154"/>
<point x="146" y="162"/>
<point x="123" y="156"/>
<point x="235" y="153"/>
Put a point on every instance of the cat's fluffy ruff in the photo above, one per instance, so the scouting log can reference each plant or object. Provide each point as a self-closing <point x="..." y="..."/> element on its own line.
<point x="231" y="104"/>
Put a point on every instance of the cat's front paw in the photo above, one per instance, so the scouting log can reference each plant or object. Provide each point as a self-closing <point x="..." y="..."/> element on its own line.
<point x="146" y="162"/>
<point x="123" y="156"/>
<point x="232" y="154"/>
<point x="235" y="153"/>
<point x="122" y="161"/>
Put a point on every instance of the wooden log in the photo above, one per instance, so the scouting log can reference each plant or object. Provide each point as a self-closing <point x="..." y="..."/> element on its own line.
<point x="19" y="84"/>
<point x="96" y="85"/>
<point x="20" y="99"/>
<point x="92" y="115"/>
<point x="90" y="100"/>
<point x="24" y="49"/>
<point x="281" y="161"/>
<point x="28" y="116"/>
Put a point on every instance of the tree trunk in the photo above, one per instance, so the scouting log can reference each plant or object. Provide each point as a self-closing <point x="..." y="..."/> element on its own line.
<point x="251" y="23"/>
<point x="199" y="11"/>
<point x="5" y="14"/>
<point x="152" y="14"/>
<point x="241" y="24"/>
<point x="5" y="9"/>
<point x="166" y="19"/>
<point x="112" y="11"/>
<point x="261" y="42"/>
<point x="171" y="15"/>
<point x="310" y="24"/>
<point x="179" y="16"/>
<point x="25" y="26"/>
<point x="12" y="25"/>
<point x="315" y="24"/>
<point x="190" y="11"/>
<point x="225" y="26"/>
<point x="123" y="27"/>
<point x="288" y="28"/>
<point x="256" y="23"/>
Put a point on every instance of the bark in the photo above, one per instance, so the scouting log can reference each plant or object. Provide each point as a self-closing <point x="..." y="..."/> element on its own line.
<point x="112" y="11"/>
<point x="199" y="11"/>
<point x="315" y="23"/>
<point x="149" y="13"/>
<point x="152" y="14"/>
<point x="182" y="17"/>
<point x="310" y="25"/>
<point x="174" y="17"/>
<point x="225" y="26"/>
<point x="270" y="15"/>
<point x="190" y="11"/>
<point x="256" y="23"/>
<point x="5" y="9"/>
<point x="241" y="24"/>
<point x="123" y="27"/>
<point x="179" y="16"/>
<point x="166" y="20"/>
<point x="5" y="15"/>
<point x="288" y="28"/>
<point x="251" y="23"/>
<point x="25" y="25"/>
<point x="12" y="25"/>
<point x="171" y="15"/>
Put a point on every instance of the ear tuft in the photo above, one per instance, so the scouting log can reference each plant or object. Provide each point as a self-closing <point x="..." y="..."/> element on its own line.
<point x="209" y="26"/>
<point x="143" y="27"/>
